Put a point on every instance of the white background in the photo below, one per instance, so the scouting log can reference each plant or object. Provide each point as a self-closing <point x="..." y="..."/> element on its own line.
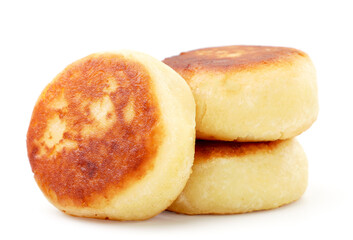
<point x="38" y="39"/>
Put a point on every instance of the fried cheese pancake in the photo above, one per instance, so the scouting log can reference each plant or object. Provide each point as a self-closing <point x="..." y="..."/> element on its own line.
<point x="232" y="177"/>
<point x="250" y="93"/>
<point x="112" y="137"/>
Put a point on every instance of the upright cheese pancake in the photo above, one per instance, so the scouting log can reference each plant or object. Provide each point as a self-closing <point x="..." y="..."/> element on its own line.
<point x="250" y="93"/>
<point x="231" y="177"/>
<point x="113" y="136"/>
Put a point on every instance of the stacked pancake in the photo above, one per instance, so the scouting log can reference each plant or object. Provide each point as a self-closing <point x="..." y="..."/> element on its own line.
<point x="251" y="101"/>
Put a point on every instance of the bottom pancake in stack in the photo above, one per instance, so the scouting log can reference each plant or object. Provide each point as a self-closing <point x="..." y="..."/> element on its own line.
<point x="231" y="177"/>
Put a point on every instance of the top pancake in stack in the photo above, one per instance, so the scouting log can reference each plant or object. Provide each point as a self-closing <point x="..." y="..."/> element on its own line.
<point x="250" y="93"/>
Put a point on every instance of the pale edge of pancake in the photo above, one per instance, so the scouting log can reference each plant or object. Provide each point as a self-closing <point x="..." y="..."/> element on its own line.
<point x="256" y="180"/>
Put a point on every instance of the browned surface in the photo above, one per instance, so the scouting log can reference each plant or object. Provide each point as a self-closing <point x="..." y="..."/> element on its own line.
<point x="210" y="149"/>
<point x="230" y="57"/>
<point x="92" y="157"/>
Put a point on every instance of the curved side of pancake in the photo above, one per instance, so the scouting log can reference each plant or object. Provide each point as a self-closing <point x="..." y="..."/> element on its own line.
<point x="243" y="178"/>
<point x="258" y="98"/>
<point x="175" y="154"/>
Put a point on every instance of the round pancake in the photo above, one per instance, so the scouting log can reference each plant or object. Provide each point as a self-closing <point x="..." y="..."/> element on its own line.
<point x="112" y="136"/>
<point x="231" y="177"/>
<point x="250" y="93"/>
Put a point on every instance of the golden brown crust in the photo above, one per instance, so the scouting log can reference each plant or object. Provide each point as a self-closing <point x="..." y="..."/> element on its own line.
<point x="230" y="58"/>
<point x="205" y="150"/>
<point x="95" y="127"/>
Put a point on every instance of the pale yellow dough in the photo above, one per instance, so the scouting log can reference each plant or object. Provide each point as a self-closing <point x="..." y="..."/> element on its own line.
<point x="250" y="93"/>
<point x="232" y="178"/>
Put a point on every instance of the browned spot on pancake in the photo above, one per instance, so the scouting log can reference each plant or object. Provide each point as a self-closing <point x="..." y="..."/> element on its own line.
<point x="210" y="149"/>
<point x="230" y="57"/>
<point x="94" y="129"/>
